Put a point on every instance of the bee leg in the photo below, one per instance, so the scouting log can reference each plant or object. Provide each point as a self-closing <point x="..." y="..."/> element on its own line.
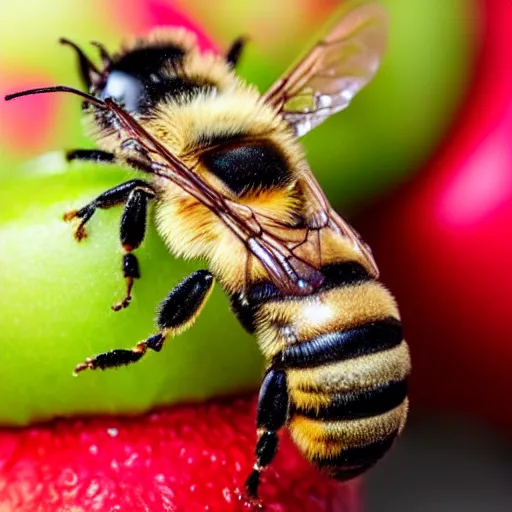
<point x="273" y="404"/>
<point x="177" y="312"/>
<point x="90" y="155"/>
<point x="133" y="229"/>
<point x="109" y="198"/>
<point x="139" y="160"/>
<point x="235" y="51"/>
<point x="135" y="153"/>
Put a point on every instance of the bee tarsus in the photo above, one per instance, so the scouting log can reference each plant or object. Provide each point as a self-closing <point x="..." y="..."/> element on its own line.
<point x="131" y="272"/>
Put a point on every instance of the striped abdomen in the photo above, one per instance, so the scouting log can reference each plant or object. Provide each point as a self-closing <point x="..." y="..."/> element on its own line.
<point x="346" y="365"/>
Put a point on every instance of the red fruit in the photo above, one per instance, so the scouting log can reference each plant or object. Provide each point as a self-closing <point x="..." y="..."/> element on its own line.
<point x="187" y="459"/>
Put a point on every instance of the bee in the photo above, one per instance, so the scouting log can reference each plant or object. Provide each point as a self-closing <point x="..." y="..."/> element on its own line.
<point x="230" y="184"/>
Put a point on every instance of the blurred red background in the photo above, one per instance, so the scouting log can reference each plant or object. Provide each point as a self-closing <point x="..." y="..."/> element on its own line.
<point x="444" y="245"/>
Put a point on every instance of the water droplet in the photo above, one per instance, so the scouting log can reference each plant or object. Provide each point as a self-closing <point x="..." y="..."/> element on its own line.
<point x="68" y="478"/>
<point x="112" y="432"/>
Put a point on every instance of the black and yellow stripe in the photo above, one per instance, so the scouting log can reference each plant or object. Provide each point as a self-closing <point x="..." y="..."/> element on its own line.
<point x="346" y="364"/>
<point x="365" y="339"/>
<point x="336" y="275"/>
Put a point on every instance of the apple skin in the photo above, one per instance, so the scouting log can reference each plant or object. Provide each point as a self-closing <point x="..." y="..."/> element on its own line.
<point x="56" y="309"/>
<point x="444" y="246"/>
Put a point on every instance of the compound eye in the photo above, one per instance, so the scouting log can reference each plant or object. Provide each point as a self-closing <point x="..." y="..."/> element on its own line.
<point x="124" y="89"/>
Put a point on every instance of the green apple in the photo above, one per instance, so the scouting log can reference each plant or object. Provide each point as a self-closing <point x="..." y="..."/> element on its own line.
<point x="55" y="310"/>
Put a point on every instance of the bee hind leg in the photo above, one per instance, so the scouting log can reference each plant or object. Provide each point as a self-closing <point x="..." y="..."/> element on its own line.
<point x="272" y="414"/>
<point x="177" y="312"/>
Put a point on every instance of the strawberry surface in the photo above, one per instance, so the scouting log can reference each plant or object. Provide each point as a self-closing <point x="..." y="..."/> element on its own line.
<point x="187" y="458"/>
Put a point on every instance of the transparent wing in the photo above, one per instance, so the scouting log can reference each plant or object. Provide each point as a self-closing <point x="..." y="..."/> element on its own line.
<point x="321" y="215"/>
<point x="335" y="69"/>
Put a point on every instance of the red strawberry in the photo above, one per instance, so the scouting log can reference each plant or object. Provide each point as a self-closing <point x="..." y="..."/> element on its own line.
<point x="189" y="458"/>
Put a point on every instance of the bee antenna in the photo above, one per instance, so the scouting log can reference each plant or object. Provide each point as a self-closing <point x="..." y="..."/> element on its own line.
<point x="88" y="71"/>
<point x="235" y="50"/>
<point x="57" y="88"/>
<point x="105" y="56"/>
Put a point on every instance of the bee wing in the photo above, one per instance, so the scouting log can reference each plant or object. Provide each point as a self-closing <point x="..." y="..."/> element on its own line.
<point x="335" y="69"/>
<point x="289" y="272"/>
<point x="321" y="215"/>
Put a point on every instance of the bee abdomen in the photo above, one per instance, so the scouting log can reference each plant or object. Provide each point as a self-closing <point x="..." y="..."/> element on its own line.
<point x="346" y="414"/>
<point x="346" y="364"/>
<point x="347" y="367"/>
<point x="351" y="405"/>
<point x="365" y="339"/>
<point x="336" y="275"/>
<point x="349" y="397"/>
<point x="347" y="448"/>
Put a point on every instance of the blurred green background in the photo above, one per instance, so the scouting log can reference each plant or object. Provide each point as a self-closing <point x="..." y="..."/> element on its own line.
<point x="55" y="295"/>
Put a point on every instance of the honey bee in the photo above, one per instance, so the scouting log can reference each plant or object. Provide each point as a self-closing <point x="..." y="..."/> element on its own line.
<point x="231" y="185"/>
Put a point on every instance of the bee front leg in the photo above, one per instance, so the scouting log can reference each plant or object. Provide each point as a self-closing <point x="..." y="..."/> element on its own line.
<point x="90" y="155"/>
<point x="177" y="312"/>
<point x="133" y="230"/>
<point x="273" y="406"/>
<point x="112" y="197"/>
<point x="135" y="194"/>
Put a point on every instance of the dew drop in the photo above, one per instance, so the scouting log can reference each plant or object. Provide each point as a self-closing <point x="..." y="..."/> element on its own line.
<point x="112" y="432"/>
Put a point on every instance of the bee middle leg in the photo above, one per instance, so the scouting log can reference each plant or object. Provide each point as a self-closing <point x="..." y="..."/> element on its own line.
<point x="177" y="312"/>
<point x="273" y="406"/>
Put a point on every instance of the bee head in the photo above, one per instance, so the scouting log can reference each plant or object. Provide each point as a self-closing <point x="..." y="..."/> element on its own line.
<point x="139" y="76"/>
